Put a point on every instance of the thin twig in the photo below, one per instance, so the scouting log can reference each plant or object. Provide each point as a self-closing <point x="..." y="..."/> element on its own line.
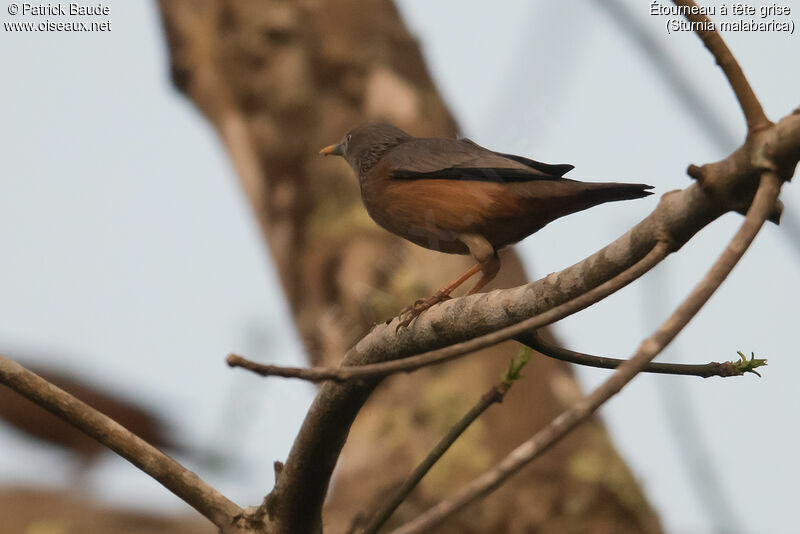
<point x="705" y="370"/>
<point x="494" y="395"/>
<point x="412" y="363"/>
<point x="759" y="211"/>
<point x="172" y="475"/>
<point x="532" y="340"/>
<point x="751" y="107"/>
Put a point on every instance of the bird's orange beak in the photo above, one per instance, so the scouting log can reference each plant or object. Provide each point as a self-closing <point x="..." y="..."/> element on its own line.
<point x="333" y="150"/>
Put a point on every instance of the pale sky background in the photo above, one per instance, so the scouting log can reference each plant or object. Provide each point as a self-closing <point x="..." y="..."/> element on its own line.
<point x="130" y="257"/>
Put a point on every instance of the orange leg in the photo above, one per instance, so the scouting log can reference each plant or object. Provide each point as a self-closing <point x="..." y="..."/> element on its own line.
<point x="449" y="288"/>
<point x="489" y="269"/>
<point x="488" y="263"/>
<point x="413" y="311"/>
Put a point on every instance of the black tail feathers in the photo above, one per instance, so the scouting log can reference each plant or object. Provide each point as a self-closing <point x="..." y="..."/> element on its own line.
<point x="611" y="192"/>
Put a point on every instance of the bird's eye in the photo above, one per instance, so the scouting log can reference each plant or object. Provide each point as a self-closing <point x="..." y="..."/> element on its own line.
<point x="347" y="139"/>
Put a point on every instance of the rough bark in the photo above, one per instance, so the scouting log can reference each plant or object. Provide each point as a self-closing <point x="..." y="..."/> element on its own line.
<point x="280" y="80"/>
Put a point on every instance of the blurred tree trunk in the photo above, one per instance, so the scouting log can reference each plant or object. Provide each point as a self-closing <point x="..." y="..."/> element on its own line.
<point x="41" y="511"/>
<point x="281" y="79"/>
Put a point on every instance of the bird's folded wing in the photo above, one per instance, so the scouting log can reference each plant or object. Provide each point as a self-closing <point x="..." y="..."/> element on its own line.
<point x="452" y="159"/>
<point x="558" y="169"/>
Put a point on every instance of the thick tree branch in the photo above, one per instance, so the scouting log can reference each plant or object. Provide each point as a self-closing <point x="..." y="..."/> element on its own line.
<point x="751" y="107"/>
<point x="762" y="206"/>
<point x="173" y="476"/>
<point x="412" y="363"/>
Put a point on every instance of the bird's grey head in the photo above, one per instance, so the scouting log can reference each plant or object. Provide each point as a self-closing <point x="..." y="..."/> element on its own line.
<point x="364" y="145"/>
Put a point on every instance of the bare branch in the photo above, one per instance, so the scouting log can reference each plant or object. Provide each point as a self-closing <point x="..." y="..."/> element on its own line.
<point x="751" y="107"/>
<point x="172" y="475"/>
<point x="759" y="211"/>
<point x="706" y="370"/>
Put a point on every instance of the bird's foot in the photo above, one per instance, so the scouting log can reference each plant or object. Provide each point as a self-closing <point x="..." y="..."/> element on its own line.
<point x="415" y="310"/>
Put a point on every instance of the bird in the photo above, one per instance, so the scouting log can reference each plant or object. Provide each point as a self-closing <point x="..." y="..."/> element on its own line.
<point x="455" y="196"/>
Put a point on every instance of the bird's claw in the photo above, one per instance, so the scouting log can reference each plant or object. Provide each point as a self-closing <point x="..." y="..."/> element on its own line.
<point x="415" y="310"/>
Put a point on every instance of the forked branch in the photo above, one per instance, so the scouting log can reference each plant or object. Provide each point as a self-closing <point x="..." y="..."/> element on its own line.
<point x="304" y="480"/>
<point x="301" y="489"/>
